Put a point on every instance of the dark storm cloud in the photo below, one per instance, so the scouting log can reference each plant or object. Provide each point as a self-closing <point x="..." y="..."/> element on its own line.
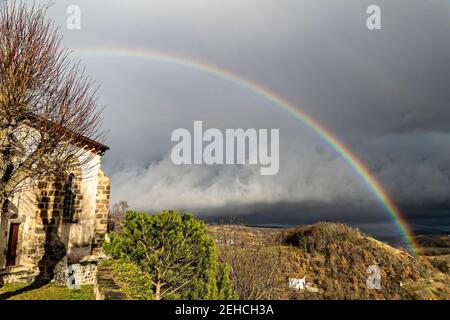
<point x="384" y="93"/>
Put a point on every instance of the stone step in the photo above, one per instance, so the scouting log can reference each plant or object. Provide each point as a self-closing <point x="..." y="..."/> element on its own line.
<point x="18" y="274"/>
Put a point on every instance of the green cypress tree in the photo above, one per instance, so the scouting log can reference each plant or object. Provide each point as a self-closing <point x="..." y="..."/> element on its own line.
<point x="176" y="250"/>
<point x="225" y="285"/>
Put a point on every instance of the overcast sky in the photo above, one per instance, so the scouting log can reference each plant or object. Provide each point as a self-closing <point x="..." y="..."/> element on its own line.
<point x="384" y="93"/>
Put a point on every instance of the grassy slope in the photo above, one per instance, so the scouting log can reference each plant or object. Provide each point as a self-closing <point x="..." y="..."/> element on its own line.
<point x="16" y="291"/>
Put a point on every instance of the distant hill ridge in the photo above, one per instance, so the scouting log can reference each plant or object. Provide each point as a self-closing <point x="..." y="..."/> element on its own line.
<point x="335" y="258"/>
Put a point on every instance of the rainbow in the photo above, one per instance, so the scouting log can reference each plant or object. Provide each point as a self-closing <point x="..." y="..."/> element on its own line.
<point x="358" y="167"/>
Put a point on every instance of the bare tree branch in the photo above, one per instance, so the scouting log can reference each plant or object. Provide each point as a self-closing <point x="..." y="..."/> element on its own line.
<point x="49" y="118"/>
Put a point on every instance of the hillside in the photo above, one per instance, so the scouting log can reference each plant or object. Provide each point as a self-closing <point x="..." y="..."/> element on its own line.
<point x="333" y="257"/>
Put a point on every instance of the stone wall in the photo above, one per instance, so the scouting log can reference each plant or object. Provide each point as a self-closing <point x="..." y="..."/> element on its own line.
<point x="48" y="243"/>
<point x="40" y="245"/>
<point x="101" y="211"/>
<point x="83" y="272"/>
<point x="18" y="274"/>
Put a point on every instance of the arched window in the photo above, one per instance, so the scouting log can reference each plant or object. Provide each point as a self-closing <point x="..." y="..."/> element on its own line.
<point x="69" y="198"/>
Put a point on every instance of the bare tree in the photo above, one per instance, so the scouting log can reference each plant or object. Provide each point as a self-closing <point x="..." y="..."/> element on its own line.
<point x="117" y="215"/>
<point x="120" y="208"/>
<point x="48" y="107"/>
<point x="255" y="265"/>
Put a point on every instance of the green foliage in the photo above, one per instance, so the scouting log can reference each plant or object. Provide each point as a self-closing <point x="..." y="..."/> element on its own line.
<point x="225" y="284"/>
<point x="175" y="250"/>
<point x="134" y="283"/>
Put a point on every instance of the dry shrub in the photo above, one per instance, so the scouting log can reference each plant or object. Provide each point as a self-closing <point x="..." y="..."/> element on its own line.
<point x="254" y="267"/>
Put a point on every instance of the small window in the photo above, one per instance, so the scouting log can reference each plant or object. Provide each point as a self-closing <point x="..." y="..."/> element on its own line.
<point x="69" y="198"/>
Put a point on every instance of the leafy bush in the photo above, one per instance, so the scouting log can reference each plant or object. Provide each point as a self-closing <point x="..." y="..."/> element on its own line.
<point x="134" y="283"/>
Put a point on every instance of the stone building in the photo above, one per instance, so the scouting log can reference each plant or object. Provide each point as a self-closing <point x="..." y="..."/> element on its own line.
<point x="56" y="228"/>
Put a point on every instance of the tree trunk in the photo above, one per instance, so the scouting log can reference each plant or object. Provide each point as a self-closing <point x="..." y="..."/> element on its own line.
<point x="4" y="203"/>
<point x="158" y="290"/>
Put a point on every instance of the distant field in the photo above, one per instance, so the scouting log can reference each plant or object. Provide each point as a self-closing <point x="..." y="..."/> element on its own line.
<point x="433" y="240"/>
<point x="436" y="249"/>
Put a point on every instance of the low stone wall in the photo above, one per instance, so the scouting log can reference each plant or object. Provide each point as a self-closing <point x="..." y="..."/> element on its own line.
<point x="83" y="272"/>
<point x="105" y="287"/>
<point x="18" y="274"/>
